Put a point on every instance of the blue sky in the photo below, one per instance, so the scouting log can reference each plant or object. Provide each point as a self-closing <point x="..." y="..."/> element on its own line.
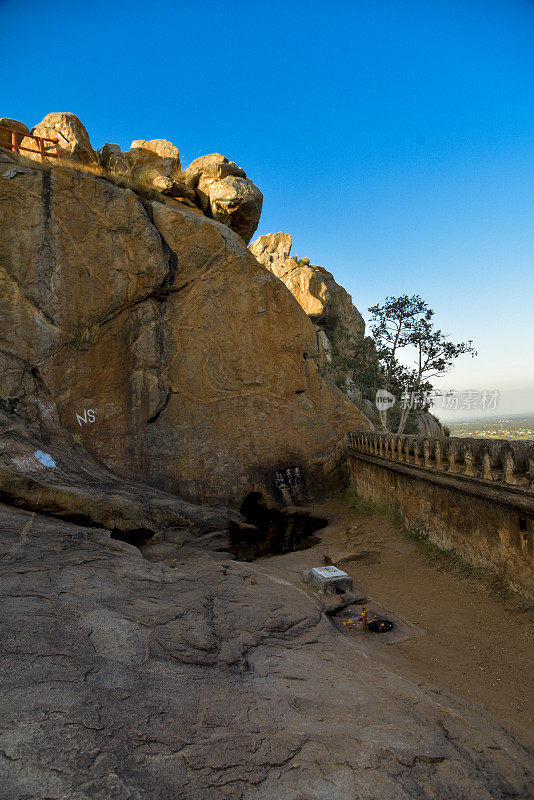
<point x="393" y="140"/>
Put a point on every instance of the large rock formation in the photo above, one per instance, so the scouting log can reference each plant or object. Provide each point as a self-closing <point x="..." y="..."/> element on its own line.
<point x="327" y="303"/>
<point x="339" y="325"/>
<point x="148" y="340"/>
<point x="212" y="183"/>
<point x="426" y="424"/>
<point x="73" y="142"/>
<point x="197" y="365"/>
<point x="225" y="193"/>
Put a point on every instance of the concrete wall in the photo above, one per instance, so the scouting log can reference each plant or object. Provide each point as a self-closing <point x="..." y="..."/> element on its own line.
<point x="471" y="495"/>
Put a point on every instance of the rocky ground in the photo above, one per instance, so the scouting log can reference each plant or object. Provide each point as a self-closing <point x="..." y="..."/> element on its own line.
<point x="132" y="680"/>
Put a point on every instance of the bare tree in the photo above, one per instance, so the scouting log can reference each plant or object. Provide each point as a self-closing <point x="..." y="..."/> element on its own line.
<point x="435" y="354"/>
<point x="392" y="326"/>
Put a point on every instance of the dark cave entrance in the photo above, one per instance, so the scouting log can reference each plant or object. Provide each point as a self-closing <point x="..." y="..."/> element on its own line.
<point x="135" y="536"/>
<point x="278" y="531"/>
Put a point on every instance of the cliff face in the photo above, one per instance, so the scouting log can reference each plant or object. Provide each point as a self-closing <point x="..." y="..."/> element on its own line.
<point x="327" y="303"/>
<point x="155" y="338"/>
<point x="339" y="326"/>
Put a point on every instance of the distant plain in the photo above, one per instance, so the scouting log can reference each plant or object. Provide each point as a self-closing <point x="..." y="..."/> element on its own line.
<point x="500" y="427"/>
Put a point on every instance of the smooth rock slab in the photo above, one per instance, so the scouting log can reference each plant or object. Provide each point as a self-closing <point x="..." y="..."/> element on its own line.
<point x="122" y="679"/>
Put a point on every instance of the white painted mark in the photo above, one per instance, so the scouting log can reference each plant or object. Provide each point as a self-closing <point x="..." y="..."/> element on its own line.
<point x="88" y="416"/>
<point x="34" y="461"/>
<point x="329" y="572"/>
<point x="45" y="459"/>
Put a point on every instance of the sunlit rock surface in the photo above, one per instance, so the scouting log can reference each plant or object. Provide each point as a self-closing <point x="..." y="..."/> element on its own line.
<point x="196" y="364"/>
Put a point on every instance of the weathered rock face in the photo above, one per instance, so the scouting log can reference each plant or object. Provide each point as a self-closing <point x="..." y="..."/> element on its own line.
<point x="73" y="138"/>
<point x="5" y="136"/>
<point x="339" y="326"/>
<point x="426" y="424"/>
<point x="324" y="301"/>
<point x="158" y="154"/>
<point x="43" y="468"/>
<point x="196" y="363"/>
<point x="225" y="193"/>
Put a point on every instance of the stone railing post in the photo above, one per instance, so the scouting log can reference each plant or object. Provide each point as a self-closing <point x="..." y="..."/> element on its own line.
<point x="468" y="460"/>
<point x="439" y="462"/>
<point x="508" y="465"/>
<point x="453" y="449"/>
<point x="486" y="465"/>
<point x="426" y="452"/>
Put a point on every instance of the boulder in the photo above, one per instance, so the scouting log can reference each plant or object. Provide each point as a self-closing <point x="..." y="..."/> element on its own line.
<point x="161" y="148"/>
<point x="197" y="364"/>
<point x="172" y="188"/>
<point x="236" y="202"/>
<point x="212" y="167"/>
<point x="426" y="424"/>
<point x="225" y="193"/>
<point x="156" y="164"/>
<point x="74" y="141"/>
<point x="158" y="155"/>
<point x="5" y="136"/>
<point x="113" y="159"/>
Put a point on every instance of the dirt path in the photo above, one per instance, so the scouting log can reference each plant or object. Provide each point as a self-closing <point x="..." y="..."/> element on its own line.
<point x="474" y="645"/>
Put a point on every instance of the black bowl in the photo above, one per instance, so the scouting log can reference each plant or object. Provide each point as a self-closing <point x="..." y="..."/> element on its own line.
<point x="380" y="625"/>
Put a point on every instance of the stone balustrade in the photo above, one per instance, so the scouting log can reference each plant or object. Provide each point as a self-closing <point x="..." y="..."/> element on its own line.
<point x="491" y="461"/>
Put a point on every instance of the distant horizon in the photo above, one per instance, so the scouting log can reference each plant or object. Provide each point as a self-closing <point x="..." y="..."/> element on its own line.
<point x="483" y="418"/>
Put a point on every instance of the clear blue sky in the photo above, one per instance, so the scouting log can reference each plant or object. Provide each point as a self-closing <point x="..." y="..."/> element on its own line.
<point x="393" y="138"/>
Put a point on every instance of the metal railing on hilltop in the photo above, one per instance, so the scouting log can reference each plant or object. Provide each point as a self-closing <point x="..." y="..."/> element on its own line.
<point x="17" y="136"/>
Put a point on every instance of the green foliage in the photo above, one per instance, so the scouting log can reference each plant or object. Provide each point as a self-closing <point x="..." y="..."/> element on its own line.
<point x="167" y="287"/>
<point x="352" y="358"/>
<point x="402" y="322"/>
<point x="392" y="327"/>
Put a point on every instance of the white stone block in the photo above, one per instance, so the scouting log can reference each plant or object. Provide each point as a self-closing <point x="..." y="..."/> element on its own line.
<point x="328" y="579"/>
